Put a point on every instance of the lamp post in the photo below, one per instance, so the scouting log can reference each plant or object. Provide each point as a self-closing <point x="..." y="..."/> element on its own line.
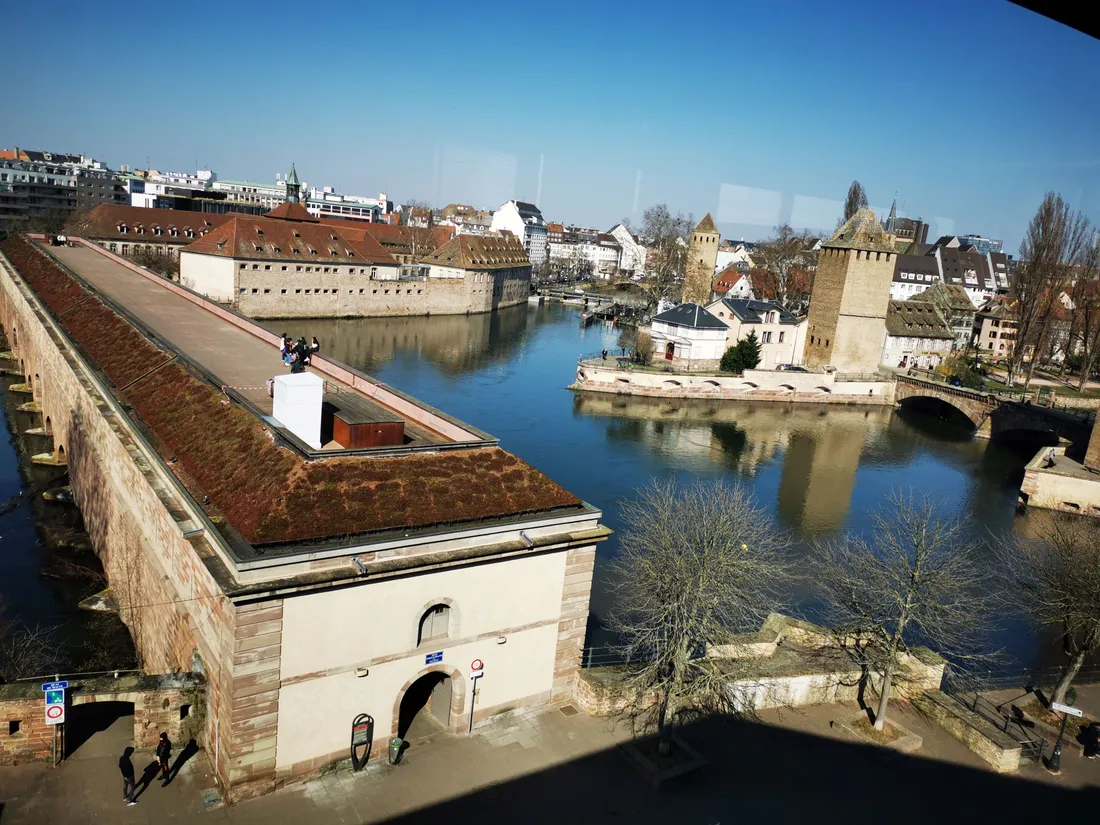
<point x="1055" y="763"/>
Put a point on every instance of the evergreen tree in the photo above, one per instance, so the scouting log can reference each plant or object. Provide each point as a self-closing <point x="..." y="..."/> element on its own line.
<point x="750" y="351"/>
<point x="731" y="359"/>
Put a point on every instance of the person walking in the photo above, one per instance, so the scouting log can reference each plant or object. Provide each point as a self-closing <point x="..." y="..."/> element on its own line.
<point x="315" y="345"/>
<point x="164" y="754"/>
<point x="126" y="767"/>
<point x="284" y="348"/>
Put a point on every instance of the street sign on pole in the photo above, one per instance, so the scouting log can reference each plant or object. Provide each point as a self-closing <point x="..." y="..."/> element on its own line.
<point x="477" y="668"/>
<point x="55" y="702"/>
<point x="1058" y="706"/>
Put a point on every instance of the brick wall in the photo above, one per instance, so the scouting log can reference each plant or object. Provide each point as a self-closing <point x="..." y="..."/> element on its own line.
<point x="171" y="602"/>
<point x="33" y="741"/>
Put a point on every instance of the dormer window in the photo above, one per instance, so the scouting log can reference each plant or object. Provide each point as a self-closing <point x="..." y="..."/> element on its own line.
<point x="259" y="232"/>
<point x="259" y="248"/>
<point x="332" y="252"/>
<point x="296" y="235"/>
<point x="122" y="228"/>
<point x="157" y="231"/>
<point x="277" y="250"/>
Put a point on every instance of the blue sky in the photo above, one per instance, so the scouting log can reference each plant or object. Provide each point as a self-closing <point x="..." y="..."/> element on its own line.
<point x="758" y="114"/>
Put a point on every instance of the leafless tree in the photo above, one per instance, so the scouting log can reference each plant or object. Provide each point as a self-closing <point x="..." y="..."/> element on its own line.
<point x="914" y="580"/>
<point x="856" y="200"/>
<point x="697" y="565"/>
<point x="781" y="256"/>
<point x="643" y="346"/>
<point x="1084" y="332"/>
<point x="159" y="262"/>
<point x="1053" y="575"/>
<point x="26" y="650"/>
<point x="417" y="235"/>
<point x="666" y="237"/>
<point x="1054" y="241"/>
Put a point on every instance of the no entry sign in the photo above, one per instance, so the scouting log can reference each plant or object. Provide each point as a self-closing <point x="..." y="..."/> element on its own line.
<point x="55" y="704"/>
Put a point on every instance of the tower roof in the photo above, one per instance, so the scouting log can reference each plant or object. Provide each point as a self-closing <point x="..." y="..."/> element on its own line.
<point x="292" y="178"/>
<point x="707" y="225"/>
<point x="862" y="231"/>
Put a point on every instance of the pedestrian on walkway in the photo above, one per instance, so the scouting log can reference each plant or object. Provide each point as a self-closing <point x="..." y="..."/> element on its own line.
<point x="164" y="754"/>
<point x="315" y="345"/>
<point x="284" y="348"/>
<point x="1090" y="738"/>
<point x="127" y="769"/>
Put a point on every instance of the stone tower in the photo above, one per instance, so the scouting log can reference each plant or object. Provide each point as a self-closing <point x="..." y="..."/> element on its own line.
<point x="293" y="188"/>
<point x="847" y="322"/>
<point x="701" y="262"/>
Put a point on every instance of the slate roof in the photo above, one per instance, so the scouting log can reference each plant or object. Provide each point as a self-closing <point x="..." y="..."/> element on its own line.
<point x="689" y="315"/>
<point x="752" y="312"/>
<point x="956" y="263"/>
<point x="481" y="252"/>
<point x="918" y="264"/>
<point x="862" y="231"/>
<point x="916" y="319"/>
<point x="707" y="225"/>
<point x="261" y="237"/>
<point x="102" y="223"/>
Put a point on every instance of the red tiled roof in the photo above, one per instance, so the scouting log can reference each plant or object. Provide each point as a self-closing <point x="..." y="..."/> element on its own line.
<point x="481" y="252"/>
<point x="261" y="237"/>
<point x="397" y="236"/>
<point x="103" y="223"/>
<point x="291" y="212"/>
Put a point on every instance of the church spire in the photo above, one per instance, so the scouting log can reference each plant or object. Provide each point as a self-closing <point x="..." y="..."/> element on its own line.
<point x="893" y="219"/>
<point x="292" y="186"/>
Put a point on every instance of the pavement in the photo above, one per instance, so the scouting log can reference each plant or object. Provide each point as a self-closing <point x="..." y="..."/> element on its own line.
<point x="789" y="765"/>
<point x="237" y="358"/>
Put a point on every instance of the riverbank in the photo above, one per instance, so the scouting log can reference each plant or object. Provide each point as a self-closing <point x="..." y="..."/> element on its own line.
<point x="618" y="376"/>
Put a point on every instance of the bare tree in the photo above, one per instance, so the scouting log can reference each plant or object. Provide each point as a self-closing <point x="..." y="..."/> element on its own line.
<point x="1084" y="332"/>
<point x="1054" y="241"/>
<point x="643" y="346"/>
<point x="1053" y="575"/>
<point x="26" y="650"/>
<point x="417" y="235"/>
<point x="914" y="580"/>
<point x="697" y="565"/>
<point x="666" y="236"/>
<point x="780" y="257"/>
<point x="856" y="200"/>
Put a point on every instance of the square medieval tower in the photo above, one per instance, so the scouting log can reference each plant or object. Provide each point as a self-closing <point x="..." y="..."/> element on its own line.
<point x="847" y="321"/>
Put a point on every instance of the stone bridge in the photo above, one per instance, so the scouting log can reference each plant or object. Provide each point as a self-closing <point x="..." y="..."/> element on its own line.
<point x="996" y="416"/>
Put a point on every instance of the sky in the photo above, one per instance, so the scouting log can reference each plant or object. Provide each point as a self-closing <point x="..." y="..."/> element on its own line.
<point x="758" y="113"/>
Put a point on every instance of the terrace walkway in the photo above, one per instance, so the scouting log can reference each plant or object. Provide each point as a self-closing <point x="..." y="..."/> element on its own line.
<point x="235" y="357"/>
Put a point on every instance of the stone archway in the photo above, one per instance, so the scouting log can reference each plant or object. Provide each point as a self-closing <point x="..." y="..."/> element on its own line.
<point x="424" y="693"/>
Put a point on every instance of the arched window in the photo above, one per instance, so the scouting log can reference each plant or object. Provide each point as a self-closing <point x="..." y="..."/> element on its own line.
<point x="434" y="624"/>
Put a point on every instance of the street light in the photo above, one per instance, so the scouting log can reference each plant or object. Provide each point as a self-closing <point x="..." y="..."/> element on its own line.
<point x="1054" y="765"/>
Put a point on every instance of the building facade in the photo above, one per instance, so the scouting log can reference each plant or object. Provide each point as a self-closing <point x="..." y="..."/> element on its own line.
<point x="687" y="337"/>
<point x="955" y="308"/>
<point x="632" y="258"/>
<point x="851" y="294"/>
<point x="916" y="336"/>
<point x="994" y="331"/>
<point x="782" y="336"/>
<point x="701" y="261"/>
<point x="128" y="230"/>
<point x="525" y="221"/>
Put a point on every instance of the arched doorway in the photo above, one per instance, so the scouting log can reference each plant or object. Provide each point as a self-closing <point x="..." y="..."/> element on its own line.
<point x="425" y="706"/>
<point x="99" y="729"/>
<point x="670" y="351"/>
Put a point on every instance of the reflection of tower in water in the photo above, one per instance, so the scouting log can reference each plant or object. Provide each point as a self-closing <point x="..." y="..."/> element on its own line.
<point x="819" y="473"/>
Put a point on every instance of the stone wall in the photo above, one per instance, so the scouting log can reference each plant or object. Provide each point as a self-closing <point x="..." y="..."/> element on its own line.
<point x="753" y="385"/>
<point x="171" y="603"/>
<point x="1092" y="455"/>
<point x="33" y="741"/>
<point x="1001" y="751"/>
<point x="1074" y="491"/>
<point x="283" y="294"/>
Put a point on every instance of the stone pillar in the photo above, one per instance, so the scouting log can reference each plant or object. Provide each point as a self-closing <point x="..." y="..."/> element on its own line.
<point x="576" y="592"/>
<point x="1092" y="457"/>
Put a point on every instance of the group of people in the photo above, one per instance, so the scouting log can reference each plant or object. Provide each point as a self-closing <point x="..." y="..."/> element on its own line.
<point x="297" y="354"/>
<point x="126" y="766"/>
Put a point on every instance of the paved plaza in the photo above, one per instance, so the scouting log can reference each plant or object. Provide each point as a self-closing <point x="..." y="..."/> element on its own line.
<point x="553" y="767"/>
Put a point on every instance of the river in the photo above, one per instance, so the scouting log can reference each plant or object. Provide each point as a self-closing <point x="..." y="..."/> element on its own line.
<point x="817" y="469"/>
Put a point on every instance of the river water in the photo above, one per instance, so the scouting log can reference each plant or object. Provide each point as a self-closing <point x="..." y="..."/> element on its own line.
<point x="817" y="469"/>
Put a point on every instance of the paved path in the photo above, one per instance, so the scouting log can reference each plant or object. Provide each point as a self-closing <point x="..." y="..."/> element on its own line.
<point x="238" y="359"/>
<point x="553" y="768"/>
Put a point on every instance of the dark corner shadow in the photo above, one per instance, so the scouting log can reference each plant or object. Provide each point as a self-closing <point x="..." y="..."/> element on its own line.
<point x="146" y="778"/>
<point x="189" y="750"/>
<point x="762" y="773"/>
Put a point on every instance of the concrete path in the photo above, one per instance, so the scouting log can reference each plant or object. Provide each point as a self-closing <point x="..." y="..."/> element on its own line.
<point x="554" y="768"/>
<point x="237" y="358"/>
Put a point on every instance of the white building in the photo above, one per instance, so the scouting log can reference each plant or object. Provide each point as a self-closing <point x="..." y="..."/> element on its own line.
<point x="524" y="220"/>
<point x="632" y="258"/>
<point x="599" y="251"/>
<point x="732" y="256"/>
<point x="267" y="195"/>
<point x="688" y="337"/>
<point x="781" y="334"/>
<point x="916" y="335"/>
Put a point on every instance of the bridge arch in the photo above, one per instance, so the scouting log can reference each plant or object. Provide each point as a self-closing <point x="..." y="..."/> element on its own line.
<point x="933" y="402"/>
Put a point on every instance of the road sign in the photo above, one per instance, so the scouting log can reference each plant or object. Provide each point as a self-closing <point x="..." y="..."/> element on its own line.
<point x="55" y="702"/>
<point x="55" y="685"/>
<point x="434" y="658"/>
<point x="477" y="664"/>
<point x="1058" y="706"/>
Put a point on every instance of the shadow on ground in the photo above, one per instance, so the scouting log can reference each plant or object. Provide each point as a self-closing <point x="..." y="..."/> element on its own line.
<point x="769" y="774"/>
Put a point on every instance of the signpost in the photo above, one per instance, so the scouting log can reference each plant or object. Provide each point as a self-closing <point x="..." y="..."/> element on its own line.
<point x="54" y="694"/>
<point x="1058" y="706"/>
<point x="1054" y="764"/>
<point x="362" y="736"/>
<point x="477" y="670"/>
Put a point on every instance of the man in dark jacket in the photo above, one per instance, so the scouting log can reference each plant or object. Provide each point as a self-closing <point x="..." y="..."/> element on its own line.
<point x="164" y="753"/>
<point x="127" y="769"/>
